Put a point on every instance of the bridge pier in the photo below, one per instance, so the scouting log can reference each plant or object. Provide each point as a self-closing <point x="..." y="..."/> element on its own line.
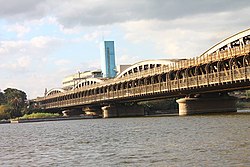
<point x="72" y="112"/>
<point x="93" y="110"/>
<point x="207" y="103"/>
<point x="121" y="110"/>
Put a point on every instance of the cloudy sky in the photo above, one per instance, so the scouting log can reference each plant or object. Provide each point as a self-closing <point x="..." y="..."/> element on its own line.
<point x="42" y="41"/>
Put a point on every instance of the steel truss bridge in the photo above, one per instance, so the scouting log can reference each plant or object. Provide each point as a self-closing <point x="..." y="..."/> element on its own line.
<point x="223" y="68"/>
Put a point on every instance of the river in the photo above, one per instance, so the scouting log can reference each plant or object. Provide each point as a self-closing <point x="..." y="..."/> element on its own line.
<point x="204" y="140"/>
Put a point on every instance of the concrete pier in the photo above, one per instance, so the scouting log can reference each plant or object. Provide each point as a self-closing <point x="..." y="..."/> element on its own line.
<point x="121" y="110"/>
<point x="72" y="112"/>
<point x="92" y="110"/>
<point x="207" y="103"/>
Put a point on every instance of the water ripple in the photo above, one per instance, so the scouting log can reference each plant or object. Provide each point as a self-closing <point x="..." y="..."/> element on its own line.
<point x="218" y="140"/>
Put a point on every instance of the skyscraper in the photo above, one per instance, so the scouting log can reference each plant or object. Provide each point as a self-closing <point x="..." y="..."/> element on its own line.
<point x="108" y="59"/>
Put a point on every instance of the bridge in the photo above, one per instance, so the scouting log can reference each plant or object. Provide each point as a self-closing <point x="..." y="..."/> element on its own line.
<point x="201" y="83"/>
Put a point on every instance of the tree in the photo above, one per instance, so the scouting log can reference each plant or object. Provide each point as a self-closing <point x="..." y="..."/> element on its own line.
<point x="162" y="105"/>
<point x="2" y="98"/>
<point x="4" y="112"/>
<point x="15" y="100"/>
<point x="248" y="93"/>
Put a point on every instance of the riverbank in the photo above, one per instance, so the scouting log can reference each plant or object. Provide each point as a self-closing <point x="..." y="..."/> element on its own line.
<point x="48" y="119"/>
<point x="240" y="111"/>
<point x="4" y="121"/>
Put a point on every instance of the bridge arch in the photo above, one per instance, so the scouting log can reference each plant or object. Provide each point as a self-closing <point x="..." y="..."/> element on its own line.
<point x="87" y="82"/>
<point x="145" y="65"/>
<point x="54" y="91"/>
<point x="238" y="40"/>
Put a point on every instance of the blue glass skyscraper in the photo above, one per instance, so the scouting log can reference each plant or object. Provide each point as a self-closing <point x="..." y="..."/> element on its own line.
<point x="108" y="59"/>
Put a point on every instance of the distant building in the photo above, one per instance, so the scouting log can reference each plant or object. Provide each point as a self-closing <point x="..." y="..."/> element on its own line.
<point x="71" y="81"/>
<point x="108" y="59"/>
<point x="121" y="68"/>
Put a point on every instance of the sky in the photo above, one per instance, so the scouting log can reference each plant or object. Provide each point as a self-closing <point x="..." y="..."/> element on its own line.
<point x="42" y="41"/>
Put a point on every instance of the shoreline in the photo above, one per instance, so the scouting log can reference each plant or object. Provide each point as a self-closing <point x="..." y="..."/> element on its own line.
<point x="240" y="111"/>
<point x="49" y="119"/>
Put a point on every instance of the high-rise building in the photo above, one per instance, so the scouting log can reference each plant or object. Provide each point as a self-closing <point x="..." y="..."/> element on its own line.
<point x="108" y="59"/>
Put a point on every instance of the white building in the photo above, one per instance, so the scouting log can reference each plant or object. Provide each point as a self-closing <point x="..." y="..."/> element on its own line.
<point x="71" y="81"/>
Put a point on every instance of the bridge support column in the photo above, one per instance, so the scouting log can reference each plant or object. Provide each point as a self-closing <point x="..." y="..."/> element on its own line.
<point x="207" y="103"/>
<point x="95" y="111"/>
<point x="121" y="110"/>
<point x="72" y="112"/>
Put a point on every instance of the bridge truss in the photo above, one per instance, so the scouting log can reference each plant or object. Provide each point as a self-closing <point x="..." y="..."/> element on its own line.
<point x="225" y="68"/>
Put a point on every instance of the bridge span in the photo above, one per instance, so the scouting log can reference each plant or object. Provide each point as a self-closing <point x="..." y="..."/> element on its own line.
<point x="201" y="83"/>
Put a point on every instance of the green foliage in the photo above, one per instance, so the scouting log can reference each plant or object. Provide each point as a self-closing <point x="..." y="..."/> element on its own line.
<point x="243" y="105"/>
<point x="32" y="108"/>
<point x="166" y="104"/>
<point x="159" y="106"/>
<point x="39" y="115"/>
<point x="15" y="100"/>
<point x="248" y="93"/>
<point x="2" y="98"/>
<point x="4" y="112"/>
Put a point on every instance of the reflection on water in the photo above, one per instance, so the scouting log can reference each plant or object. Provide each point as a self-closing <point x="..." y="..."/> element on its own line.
<point x="205" y="140"/>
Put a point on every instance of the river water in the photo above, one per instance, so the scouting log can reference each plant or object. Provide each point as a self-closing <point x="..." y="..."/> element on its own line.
<point x="205" y="140"/>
